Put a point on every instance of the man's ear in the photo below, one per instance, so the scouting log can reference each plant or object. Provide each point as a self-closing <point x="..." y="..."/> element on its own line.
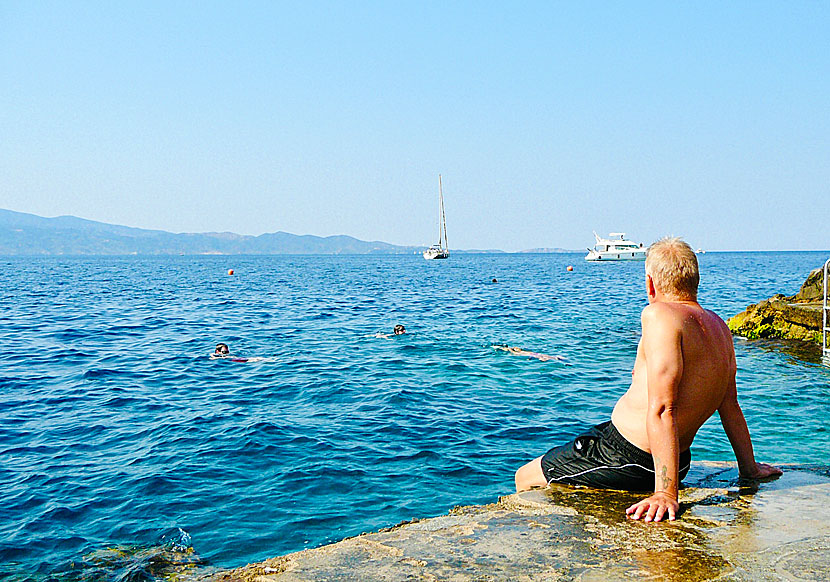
<point x="651" y="290"/>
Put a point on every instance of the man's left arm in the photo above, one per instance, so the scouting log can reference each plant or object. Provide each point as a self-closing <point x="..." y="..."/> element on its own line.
<point x="663" y="354"/>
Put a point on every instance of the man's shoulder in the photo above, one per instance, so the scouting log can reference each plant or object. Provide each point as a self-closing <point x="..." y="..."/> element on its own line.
<point x="661" y="310"/>
<point x="665" y="315"/>
<point x="718" y="321"/>
<point x="712" y="314"/>
<point x="659" y="319"/>
<point x="670" y="314"/>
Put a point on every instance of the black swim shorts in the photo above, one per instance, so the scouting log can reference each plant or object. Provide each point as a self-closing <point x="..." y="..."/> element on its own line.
<point x="602" y="458"/>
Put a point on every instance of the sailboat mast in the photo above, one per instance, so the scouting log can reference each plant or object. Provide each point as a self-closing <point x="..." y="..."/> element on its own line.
<point x="440" y="206"/>
<point x="442" y="225"/>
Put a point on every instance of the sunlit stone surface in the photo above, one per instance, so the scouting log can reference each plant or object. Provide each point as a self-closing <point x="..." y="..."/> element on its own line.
<point x="727" y="531"/>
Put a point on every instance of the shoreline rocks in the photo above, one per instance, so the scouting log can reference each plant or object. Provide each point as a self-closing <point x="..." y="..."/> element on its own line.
<point x="728" y="530"/>
<point x="796" y="317"/>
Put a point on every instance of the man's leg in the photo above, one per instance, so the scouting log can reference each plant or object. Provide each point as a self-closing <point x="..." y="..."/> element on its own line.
<point x="530" y="476"/>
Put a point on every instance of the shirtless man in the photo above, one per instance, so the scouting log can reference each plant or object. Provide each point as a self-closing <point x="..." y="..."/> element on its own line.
<point x="684" y="372"/>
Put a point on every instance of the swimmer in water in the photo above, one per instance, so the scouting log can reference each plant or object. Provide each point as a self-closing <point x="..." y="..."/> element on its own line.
<point x="397" y="330"/>
<point x="223" y="351"/>
<point x="514" y="351"/>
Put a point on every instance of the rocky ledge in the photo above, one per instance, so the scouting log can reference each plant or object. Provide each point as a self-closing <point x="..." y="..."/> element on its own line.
<point x="788" y="317"/>
<point x="728" y="530"/>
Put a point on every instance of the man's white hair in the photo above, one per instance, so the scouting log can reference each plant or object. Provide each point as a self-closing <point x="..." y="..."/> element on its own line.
<point x="673" y="267"/>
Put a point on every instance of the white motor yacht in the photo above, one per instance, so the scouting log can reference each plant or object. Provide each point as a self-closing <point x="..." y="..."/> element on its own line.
<point x="616" y="248"/>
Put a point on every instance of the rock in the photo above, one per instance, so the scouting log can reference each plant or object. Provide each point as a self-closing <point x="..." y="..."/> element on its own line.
<point x="795" y="317"/>
<point x="728" y="530"/>
<point x="810" y="291"/>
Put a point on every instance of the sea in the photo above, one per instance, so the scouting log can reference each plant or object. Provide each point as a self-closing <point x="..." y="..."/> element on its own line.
<point x="122" y="443"/>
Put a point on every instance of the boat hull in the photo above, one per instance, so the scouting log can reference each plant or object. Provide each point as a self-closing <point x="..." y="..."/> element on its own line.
<point x="433" y="254"/>
<point x="616" y="256"/>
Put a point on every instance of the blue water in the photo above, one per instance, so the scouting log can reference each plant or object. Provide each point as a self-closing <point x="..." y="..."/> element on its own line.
<point x="116" y="428"/>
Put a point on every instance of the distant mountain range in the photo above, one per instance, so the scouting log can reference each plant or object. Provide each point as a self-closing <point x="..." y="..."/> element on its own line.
<point x="546" y="250"/>
<point x="28" y="234"/>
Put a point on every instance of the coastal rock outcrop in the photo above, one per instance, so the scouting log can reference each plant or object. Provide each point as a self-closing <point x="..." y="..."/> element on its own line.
<point x="728" y="530"/>
<point x="788" y="317"/>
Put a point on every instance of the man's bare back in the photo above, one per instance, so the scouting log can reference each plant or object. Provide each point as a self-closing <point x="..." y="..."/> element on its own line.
<point x="697" y="342"/>
<point x="684" y="372"/>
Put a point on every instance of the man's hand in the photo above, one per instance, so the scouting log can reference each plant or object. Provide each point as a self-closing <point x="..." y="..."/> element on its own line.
<point x="655" y="508"/>
<point x="762" y="471"/>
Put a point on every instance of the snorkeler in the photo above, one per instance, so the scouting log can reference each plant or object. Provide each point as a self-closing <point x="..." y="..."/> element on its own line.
<point x="397" y="330"/>
<point x="514" y="351"/>
<point x="223" y="351"/>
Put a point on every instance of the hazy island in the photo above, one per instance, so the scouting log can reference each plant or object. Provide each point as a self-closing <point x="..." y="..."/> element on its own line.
<point x="23" y="234"/>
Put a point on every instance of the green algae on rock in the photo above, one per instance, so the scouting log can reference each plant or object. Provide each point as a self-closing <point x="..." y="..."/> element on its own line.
<point x="795" y="317"/>
<point x="728" y="530"/>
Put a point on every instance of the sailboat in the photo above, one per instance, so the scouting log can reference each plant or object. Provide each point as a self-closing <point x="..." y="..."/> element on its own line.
<point x="441" y="250"/>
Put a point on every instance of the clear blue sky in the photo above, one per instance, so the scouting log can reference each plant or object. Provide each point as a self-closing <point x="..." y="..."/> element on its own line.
<point x="548" y="120"/>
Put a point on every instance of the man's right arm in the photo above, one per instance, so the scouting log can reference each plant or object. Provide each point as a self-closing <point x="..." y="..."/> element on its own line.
<point x="734" y="424"/>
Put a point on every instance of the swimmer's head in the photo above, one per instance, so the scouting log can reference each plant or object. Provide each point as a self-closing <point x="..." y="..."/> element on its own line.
<point x="221" y="350"/>
<point x="399" y="329"/>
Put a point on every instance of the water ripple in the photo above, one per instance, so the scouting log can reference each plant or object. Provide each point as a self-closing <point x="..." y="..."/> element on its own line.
<point x="124" y="447"/>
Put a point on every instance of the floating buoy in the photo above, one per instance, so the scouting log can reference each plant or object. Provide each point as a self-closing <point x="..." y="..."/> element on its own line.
<point x="570" y="268"/>
<point x="230" y="271"/>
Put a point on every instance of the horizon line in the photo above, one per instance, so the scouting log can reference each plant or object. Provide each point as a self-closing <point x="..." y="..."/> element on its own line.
<point x="561" y="250"/>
